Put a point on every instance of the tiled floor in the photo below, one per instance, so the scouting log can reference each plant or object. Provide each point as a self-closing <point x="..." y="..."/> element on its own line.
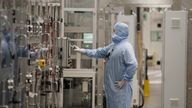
<point x="154" y="100"/>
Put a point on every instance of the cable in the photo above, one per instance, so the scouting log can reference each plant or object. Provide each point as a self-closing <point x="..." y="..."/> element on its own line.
<point x="142" y="97"/>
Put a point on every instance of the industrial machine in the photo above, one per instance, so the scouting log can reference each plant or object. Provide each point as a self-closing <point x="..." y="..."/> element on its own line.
<point x="79" y="71"/>
<point x="7" y="64"/>
<point x="175" y="59"/>
<point x="29" y="78"/>
<point x="39" y="68"/>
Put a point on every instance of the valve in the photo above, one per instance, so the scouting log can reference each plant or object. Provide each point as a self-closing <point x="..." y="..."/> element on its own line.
<point x="28" y="78"/>
<point x="41" y="63"/>
<point x="10" y="84"/>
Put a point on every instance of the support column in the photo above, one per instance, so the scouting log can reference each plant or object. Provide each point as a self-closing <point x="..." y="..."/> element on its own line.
<point x="100" y="72"/>
<point x="62" y="36"/>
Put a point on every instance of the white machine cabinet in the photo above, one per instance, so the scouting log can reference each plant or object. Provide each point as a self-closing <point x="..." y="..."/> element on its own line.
<point x="174" y="59"/>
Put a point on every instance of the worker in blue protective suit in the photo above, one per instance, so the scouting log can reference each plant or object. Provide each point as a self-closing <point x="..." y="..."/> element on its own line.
<point x="5" y="46"/>
<point x="120" y="67"/>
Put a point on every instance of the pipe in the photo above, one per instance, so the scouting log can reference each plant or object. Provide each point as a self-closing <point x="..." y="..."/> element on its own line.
<point x="62" y="18"/>
<point x="138" y="18"/>
<point x="3" y="93"/>
<point x="62" y="36"/>
<point x="142" y="97"/>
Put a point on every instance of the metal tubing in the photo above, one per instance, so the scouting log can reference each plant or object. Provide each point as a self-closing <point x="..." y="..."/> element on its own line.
<point x="3" y="93"/>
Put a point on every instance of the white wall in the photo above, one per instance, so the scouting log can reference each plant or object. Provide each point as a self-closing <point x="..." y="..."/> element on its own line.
<point x="130" y="20"/>
<point x="150" y="24"/>
<point x="175" y="59"/>
<point x="146" y="31"/>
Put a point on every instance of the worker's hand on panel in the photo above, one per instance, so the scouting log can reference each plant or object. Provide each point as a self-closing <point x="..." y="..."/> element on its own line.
<point x="120" y="84"/>
<point x="77" y="49"/>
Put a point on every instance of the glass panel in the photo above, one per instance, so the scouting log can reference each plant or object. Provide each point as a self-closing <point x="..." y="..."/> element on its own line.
<point x="88" y="38"/>
<point x="79" y="19"/>
<point x="77" y="93"/>
<point x="86" y="63"/>
<point x="79" y="3"/>
<point x="156" y="36"/>
<point x="82" y="40"/>
<point x="87" y="43"/>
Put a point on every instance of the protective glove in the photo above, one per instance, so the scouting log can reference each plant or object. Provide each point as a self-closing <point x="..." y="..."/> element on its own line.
<point x="120" y="84"/>
<point x="77" y="49"/>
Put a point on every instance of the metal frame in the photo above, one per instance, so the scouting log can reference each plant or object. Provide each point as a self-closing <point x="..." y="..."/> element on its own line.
<point x="94" y="30"/>
<point x="44" y="4"/>
<point x="189" y="61"/>
<point x="82" y="73"/>
<point x="150" y="5"/>
<point x="80" y="30"/>
<point x="61" y="34"/>
<point x="80" y="9"/>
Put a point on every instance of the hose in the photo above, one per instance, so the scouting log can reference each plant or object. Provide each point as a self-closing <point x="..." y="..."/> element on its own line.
<point x="142" y="97"/>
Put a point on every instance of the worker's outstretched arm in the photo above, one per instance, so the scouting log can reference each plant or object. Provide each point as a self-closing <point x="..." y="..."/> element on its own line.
<point x="96" y="53"/>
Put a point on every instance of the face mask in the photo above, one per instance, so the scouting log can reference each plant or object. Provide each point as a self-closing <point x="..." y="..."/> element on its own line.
<point x="7" y="36"/>
<point x="117" y="39"/>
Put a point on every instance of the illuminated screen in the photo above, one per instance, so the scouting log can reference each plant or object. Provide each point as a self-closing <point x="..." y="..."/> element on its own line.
<point x="88" y="38"/>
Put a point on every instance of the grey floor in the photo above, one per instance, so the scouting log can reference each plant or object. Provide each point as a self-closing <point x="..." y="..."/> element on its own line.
<point x="154" y="100"/>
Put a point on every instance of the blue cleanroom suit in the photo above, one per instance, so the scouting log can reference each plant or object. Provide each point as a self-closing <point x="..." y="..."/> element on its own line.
<point x="5" y="45"/>
<point x="121" y="65"/>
